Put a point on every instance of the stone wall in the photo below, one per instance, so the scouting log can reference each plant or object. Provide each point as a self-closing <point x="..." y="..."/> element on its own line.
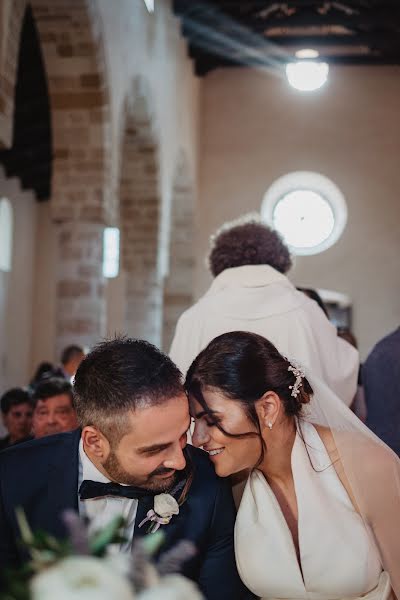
<point x="124" y="101"/>
<point x="179" y="283"/>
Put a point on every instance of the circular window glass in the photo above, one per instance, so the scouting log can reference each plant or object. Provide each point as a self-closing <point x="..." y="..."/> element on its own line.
<point x="307" y="209"/>
<point x="304" y="218"/>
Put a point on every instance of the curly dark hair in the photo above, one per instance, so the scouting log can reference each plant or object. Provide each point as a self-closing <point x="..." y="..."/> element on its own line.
<point x="248" y="243"/>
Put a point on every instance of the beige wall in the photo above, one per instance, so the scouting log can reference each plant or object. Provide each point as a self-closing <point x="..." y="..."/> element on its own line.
<point x="16" y="289"/>
<point x="255" y="128"/>
<point x="44" y="301"/>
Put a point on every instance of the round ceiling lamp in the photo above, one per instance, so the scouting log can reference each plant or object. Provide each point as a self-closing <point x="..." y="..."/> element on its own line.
<point x="307" y="74"/>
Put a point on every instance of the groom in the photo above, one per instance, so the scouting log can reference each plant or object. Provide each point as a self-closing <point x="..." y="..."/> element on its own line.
<point x="134" y="416"/>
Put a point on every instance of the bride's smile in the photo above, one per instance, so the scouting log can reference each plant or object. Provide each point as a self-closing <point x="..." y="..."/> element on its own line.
<point x="224" y="430"/>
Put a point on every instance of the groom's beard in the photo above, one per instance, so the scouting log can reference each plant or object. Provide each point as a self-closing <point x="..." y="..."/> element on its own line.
<point x="157" y="481"/>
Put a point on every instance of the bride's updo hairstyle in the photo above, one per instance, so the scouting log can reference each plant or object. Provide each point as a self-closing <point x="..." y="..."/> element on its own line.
<point x="244" y="366"/>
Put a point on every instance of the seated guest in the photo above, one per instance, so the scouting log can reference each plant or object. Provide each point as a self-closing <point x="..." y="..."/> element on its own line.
<point x="16" y="410"/>
<point x="71" y="358"/>
<point x="54" y="410"/>
<point x="45" y="370"/>
<point x="313" y="294"/>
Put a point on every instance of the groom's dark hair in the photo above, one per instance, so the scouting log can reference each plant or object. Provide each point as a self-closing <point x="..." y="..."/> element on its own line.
<point x="121" y="375"/>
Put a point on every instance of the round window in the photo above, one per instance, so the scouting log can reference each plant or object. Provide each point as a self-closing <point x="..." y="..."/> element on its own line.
<point x="307" y="209"/>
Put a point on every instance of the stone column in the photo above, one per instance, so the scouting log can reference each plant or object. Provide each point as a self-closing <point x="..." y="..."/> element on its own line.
<point x="178" y="286"/>
<point x="144" y="305"/>
<point x="81" y="302"/>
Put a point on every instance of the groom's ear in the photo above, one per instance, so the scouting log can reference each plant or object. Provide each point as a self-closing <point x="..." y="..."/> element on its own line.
<point x="268" y="408"/>
<point x="95" y="443"/>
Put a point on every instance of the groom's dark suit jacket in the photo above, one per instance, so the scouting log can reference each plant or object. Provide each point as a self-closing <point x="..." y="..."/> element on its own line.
<point x="41" y="476"/>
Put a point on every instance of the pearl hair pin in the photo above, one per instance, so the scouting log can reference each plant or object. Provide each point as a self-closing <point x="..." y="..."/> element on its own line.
<point x="299" y="374"/>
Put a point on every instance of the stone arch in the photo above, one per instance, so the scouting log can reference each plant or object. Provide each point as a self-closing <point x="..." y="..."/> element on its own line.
<point x="11" y="18"/>
<point x="81" y="200"/>
<point x="140" y="215"/>
<point x="72" y="46"/>
<point x="178" y="286"/>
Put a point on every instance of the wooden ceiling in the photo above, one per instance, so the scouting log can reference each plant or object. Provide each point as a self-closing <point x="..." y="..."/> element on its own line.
<point x="223" y="33"/>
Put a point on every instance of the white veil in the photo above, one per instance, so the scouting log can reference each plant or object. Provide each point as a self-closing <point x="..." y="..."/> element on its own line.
<point x="371" y="468"/>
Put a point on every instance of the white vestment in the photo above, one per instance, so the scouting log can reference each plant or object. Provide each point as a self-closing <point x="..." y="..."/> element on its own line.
<point x="259" y="299"/>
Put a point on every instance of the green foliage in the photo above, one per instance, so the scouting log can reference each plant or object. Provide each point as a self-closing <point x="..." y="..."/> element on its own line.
<point x="45" y="550"/>
<point x="110" y="534"/>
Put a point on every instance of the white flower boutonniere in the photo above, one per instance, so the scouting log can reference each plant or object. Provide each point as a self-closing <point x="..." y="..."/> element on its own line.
<point x="165" y="507"/>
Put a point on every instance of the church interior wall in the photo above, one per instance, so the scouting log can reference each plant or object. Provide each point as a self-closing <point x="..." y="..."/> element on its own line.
<point x="17" y="286"/>
<point x="238" y="131"/>
<point x="255" y="128"/>
<point x="128" y="44"/>
<point x="151" y="50"/>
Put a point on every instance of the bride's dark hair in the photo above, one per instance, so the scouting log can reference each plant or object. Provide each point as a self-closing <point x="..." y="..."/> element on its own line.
<point x="244" y="366"/>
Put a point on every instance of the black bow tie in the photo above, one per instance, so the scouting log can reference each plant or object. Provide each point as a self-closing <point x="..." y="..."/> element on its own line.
<point x="94" y="489"/>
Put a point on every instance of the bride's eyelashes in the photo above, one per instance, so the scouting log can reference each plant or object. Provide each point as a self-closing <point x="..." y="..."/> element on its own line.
<point x="214" y="422"/>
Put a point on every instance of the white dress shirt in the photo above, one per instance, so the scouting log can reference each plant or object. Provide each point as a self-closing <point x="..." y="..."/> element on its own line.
<point x="100" y="511"/>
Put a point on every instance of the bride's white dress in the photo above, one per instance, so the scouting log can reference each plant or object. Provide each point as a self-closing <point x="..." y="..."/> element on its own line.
<point x="338" y="557"/>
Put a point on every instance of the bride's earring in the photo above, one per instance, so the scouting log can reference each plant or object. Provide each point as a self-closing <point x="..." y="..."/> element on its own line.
<point x="270" y="424"/>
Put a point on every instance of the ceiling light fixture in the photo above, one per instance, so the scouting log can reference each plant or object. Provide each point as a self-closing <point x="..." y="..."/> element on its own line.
<point x="307" y="74"/>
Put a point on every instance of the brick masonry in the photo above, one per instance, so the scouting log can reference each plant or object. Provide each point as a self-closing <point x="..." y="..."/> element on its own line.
<point x="140" y="216"/>
<point x="11" y="16"/>
<point x="84" y="193"/>
<point x="178" y="286"/>
<point x="80" y="284"/>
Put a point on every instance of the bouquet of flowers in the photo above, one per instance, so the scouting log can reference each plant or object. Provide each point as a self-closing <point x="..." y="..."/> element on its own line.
<point x="82" y="567"/>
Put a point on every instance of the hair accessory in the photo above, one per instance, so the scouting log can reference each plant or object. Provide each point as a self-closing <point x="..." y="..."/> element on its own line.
<point x="299" y="374"/>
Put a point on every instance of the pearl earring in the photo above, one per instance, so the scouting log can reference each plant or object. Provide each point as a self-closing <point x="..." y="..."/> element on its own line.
<point x="270" y="424"/>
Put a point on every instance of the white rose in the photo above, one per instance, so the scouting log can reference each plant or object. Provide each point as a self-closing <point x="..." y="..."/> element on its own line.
<point x="120" y="563"/>
<point x="165" y="505"/>
<point x="172" y="587"/>
<point x="80" y="578"/>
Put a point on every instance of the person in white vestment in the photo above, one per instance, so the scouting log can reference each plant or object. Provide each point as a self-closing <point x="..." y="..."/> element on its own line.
<point x="251" y="292"/>
<point x="319" y="518"/>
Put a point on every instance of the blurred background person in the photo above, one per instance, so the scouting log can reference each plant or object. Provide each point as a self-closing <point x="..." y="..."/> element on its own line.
<point x="251" y="292"/>
<point x="54" y="410"/>
<point x="313" y="294"/>
<point x="381" y="379"/>
<point x="16" y="410"/>
<point x="358" y="405"/>
<point x="71" y="358"/>
<point x="45" y="370"/>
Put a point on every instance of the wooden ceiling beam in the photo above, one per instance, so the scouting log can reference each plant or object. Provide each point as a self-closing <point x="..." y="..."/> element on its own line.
<point x="359" y="39"/>
<point x="208" y="62"/>
<point x="390" y="21"/>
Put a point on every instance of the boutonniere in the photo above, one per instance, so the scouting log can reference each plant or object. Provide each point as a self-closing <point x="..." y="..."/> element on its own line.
<point x="165" y="507"/>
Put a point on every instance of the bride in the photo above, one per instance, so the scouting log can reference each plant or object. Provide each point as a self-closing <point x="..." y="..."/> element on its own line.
<point x="320" y="512"/>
